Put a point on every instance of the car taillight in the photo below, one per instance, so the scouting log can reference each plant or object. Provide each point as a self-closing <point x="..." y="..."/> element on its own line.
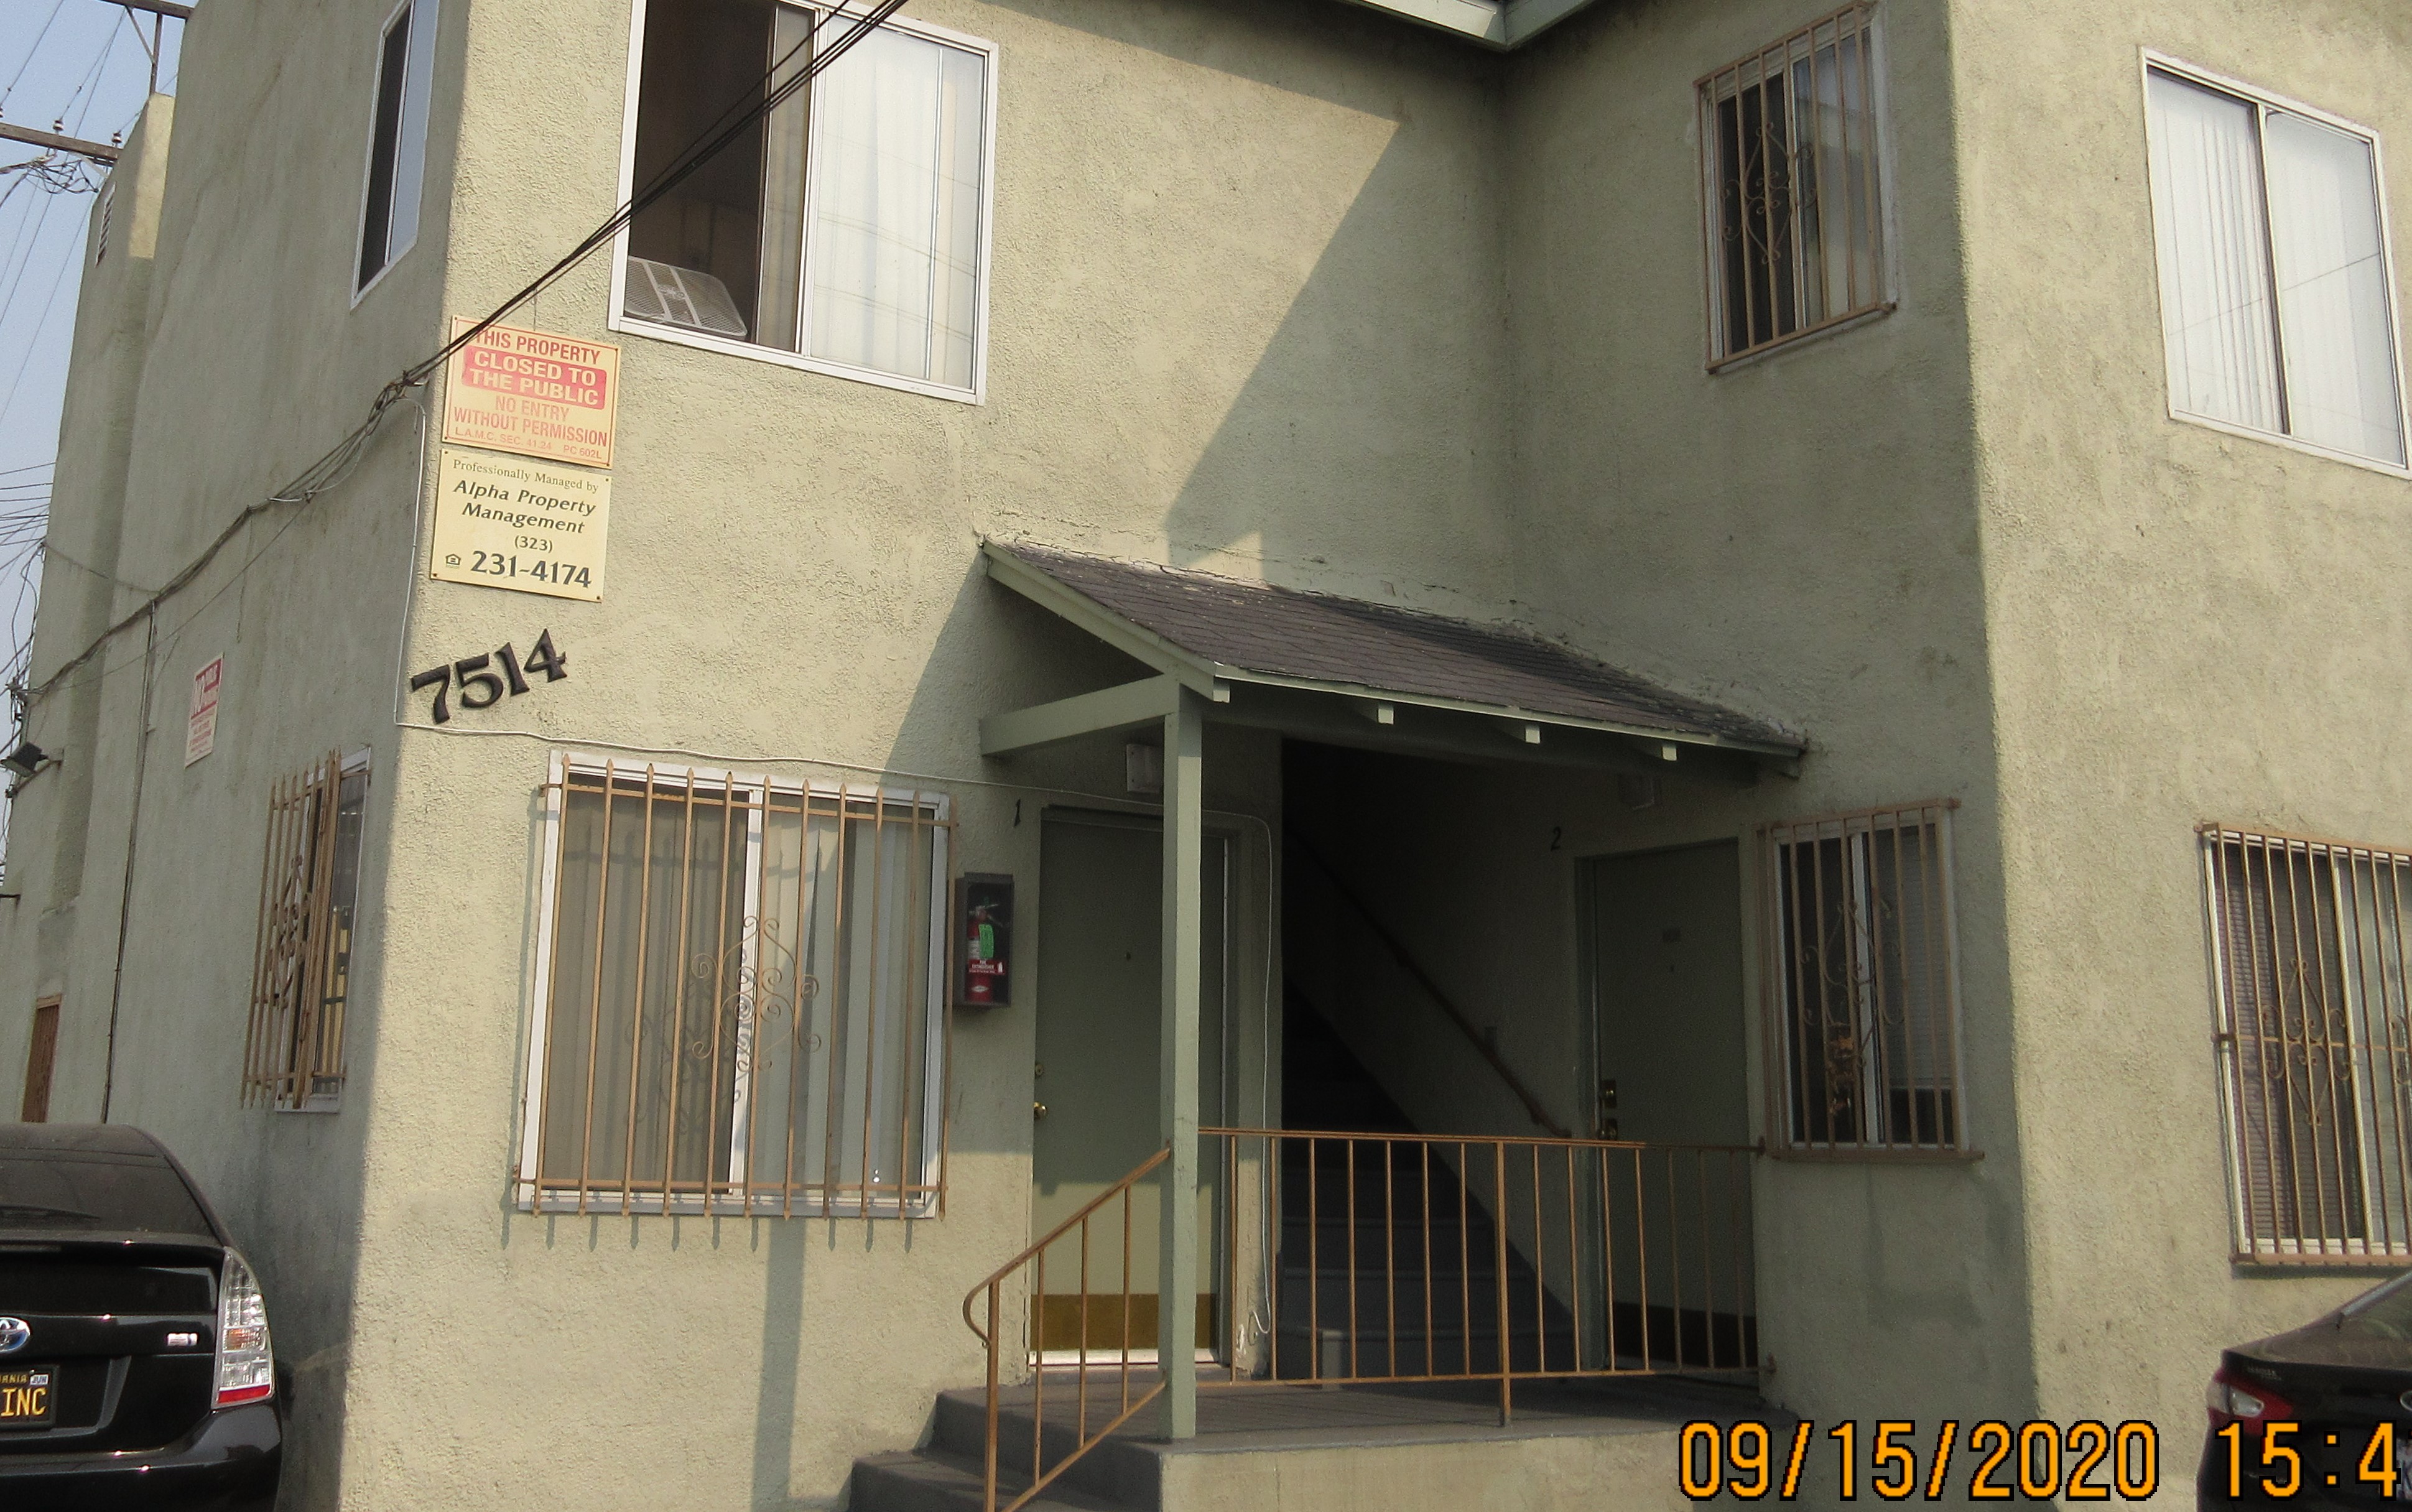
<point x="246" y="1369"/>
<point x="2239" y="1399"/>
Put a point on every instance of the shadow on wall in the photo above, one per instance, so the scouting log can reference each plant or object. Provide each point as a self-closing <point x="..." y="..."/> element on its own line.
<point x="1322" y="351"/>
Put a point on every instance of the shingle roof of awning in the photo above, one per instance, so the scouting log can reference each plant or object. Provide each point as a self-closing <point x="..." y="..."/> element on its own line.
<point x="1256" y="631"/>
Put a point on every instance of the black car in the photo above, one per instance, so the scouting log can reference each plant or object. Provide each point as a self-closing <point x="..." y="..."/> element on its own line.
<point x="135" y="1368"/>
<point x="2320" y="1417"/>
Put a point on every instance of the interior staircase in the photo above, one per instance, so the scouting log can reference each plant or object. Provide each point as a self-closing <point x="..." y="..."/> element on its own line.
<point x="1421" y="1280"/>
<point x="1413" y="1224"/>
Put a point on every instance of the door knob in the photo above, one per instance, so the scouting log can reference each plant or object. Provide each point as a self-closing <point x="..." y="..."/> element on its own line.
<point x="1038" y="1110"/>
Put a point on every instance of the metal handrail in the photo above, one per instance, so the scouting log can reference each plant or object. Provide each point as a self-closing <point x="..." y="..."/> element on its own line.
<point x="1582" y="1231"/>
<point x="1036" y="1256"/>
<point x="1448" y="1007"/>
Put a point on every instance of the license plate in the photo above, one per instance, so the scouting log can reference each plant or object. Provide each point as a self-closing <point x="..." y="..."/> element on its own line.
<point x="29" y="1395"/>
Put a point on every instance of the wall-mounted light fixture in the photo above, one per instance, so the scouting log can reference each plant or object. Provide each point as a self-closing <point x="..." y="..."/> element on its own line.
<point x="27" y="759"/>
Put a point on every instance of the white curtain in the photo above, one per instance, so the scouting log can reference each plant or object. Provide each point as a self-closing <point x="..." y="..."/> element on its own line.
<point x="2332" y="305"/>
<point x="2207" y="203"/>
<point x="896" y="209"/>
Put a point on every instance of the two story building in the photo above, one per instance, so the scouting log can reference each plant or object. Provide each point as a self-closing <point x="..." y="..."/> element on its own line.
<point x="1518" y="695"/>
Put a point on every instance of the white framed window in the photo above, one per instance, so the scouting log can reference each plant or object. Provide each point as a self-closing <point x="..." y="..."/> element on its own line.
<point x="1863" y="981"/>
<point x="2313" y="1028"/>
<point x="847" y="231"/>
<point x="397" y="158"/>
<point x="1793" y="170"/>
<point x="2277" y="300"/>
<point x="740" y="995"/>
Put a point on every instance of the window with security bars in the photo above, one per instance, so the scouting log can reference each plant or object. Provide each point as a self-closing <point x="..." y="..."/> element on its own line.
<point x="2315" y="1042"/>
<point x="301" y="974"/>
<point x="1789" y="154"/>
<point x="741" y="991"/>
<point x="1863" y="986"/>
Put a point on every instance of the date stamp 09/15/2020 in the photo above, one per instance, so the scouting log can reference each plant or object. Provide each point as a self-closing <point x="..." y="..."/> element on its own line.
<point x="1898" y="1460"/>
<point x="2087" y="1460"/>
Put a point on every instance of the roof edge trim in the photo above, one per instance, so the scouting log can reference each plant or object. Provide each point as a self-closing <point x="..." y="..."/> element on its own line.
<point x="1502" y="26"/>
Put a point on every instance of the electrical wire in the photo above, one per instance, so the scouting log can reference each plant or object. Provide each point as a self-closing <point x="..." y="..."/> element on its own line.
<point x="13" y="78"/>
<point x="338" y="461"/>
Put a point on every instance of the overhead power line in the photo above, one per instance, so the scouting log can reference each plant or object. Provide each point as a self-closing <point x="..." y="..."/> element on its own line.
<point x="338" y="461"/>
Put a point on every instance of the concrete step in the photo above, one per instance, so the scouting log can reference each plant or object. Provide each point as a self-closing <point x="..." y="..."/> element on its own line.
<point x="1119" y="1470"/>
<point x="938" y="1480"/>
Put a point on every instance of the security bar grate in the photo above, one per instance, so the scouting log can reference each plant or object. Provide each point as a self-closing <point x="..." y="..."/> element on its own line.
<point x="293" y="1051"/>
<point x="742" y="991"/>
<point x="2315" y="1042"/>
<point x="1863" y="981"/>
<point x="1791" y="170"/>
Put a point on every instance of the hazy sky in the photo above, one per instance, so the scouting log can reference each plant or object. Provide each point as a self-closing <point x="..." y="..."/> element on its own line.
<point x="83" y="65"/>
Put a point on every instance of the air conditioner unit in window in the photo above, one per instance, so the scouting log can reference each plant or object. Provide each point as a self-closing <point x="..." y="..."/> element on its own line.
<point x="681" y="297"/>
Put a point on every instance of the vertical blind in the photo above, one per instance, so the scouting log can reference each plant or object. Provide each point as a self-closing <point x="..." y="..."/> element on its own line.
<point x="2274" y="301"/>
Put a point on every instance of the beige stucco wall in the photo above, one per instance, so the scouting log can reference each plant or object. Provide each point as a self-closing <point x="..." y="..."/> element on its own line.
<point x="214" y="368"/>
<point x="1278" y="290"/>
<point x="2187" y="626"/>
<point x="1210" y="220"/>
<point x="1797" y="536"/>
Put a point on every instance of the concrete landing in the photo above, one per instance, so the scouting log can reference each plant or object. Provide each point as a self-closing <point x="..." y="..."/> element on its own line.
<point x="1610" y="1446"/>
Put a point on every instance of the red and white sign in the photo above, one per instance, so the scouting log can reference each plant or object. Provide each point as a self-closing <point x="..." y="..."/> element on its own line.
<point x="201" y="729"/>
<point x="535" y="393"/>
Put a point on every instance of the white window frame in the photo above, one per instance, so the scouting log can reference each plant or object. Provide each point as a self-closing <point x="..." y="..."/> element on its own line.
<point x="2153" y="62"/>
<point x="411" y="143"/>
<point x="528" y="1181"/>
<point x="840" y="11"/>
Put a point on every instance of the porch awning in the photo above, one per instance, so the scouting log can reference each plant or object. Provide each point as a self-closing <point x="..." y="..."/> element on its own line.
<point x="1356" y="672"/>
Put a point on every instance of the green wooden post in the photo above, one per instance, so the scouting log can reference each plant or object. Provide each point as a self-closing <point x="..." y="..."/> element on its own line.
<point x="1183" y="859"/>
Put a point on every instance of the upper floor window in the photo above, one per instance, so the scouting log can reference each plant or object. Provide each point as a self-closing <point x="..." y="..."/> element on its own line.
<point x="1790" y="164"/>
<point x="847" y="226"/>
<point x="301" y="974"/>
<point x="2275" y="301"/>
<point x="1864" y="985"/>
<point x="397" y="140"/>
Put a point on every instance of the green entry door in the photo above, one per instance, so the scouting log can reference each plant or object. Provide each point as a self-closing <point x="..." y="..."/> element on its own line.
<point x="1100" y="1009"/>
<point x="1666" y="951"/>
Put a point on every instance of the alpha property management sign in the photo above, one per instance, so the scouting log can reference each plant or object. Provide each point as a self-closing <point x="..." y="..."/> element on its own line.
<point x="533" y="394"/>
<point x="502" y="523"/>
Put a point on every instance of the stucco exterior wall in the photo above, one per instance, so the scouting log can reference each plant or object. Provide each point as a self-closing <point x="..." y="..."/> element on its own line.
<point x="1246" y="311"/>
<point x="2187" y="626"/>
<point x="1797" y="536"/>
<point x="1283" y="290"/>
